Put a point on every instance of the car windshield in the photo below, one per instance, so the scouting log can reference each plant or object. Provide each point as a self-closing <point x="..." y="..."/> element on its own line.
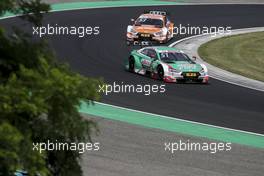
<point x="149" y="21"/>
<point x="171" y="56"/>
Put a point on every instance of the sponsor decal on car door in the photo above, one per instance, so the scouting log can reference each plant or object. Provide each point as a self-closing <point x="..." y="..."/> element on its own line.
<point x="146" y="63"/>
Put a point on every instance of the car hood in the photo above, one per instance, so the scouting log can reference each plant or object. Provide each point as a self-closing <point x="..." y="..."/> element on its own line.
<point x="146" y="29"/>
<point x="186" y="66"/>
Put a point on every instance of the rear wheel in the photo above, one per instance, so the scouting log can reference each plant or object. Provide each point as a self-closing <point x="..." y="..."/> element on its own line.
<point x="131" y="64"/>
<point x="160" y="72"/>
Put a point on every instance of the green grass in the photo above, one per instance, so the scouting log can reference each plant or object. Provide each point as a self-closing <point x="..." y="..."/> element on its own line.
<point x="242" y="54"/>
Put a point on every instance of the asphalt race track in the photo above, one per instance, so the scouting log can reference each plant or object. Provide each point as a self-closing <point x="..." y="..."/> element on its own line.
<point x="219" y="103"/>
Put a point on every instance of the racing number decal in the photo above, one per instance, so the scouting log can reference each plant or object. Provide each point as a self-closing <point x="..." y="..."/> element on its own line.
<point x="164" y="54"/>
<point x="142" y="43"/>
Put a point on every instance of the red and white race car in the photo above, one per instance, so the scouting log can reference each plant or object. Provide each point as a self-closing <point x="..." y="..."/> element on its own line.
<point x="150" y="26"/>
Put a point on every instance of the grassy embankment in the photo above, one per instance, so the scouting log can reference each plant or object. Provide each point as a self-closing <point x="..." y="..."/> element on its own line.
<point x="242" y="54"/>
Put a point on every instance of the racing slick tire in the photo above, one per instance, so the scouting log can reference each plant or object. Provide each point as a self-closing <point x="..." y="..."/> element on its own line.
<point x="131" y="64"/>
<point x="160" y="71"/>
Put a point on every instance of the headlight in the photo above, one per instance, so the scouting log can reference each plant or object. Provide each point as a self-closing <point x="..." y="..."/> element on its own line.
<point x="172" y="70"/>
<point x="158" y="33"/>
<point x="161" y="32"/>
<point x="133" y="31"/>
<point x="202" y="70"/>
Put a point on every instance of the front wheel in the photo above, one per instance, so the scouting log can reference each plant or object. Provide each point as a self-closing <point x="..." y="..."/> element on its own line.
<point x="160" y="72"/>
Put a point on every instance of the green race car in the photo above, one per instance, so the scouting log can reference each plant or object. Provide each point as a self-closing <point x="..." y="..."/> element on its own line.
<point x="167" y="64"/>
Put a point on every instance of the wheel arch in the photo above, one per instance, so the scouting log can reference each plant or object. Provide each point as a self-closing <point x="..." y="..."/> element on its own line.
<point x="165" y="68"/>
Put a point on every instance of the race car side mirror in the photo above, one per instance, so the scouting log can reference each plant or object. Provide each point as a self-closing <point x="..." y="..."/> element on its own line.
<point x="194" y="58"/>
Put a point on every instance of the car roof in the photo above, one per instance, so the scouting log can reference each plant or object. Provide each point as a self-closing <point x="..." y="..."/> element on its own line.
<point x="165" y="48"/>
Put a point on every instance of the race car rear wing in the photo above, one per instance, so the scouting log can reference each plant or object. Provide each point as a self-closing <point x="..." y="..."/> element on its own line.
<point x="157" y="12"/>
